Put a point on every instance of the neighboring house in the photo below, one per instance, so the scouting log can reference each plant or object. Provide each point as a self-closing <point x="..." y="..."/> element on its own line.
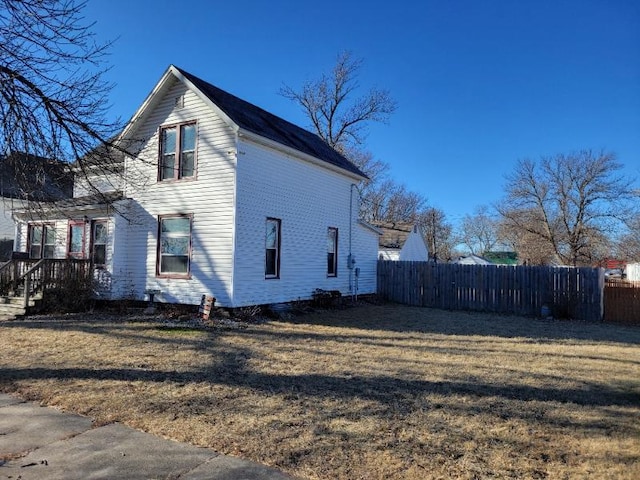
<point x="42" y="180"/>
<point x="471" y="260"/>
<point x="401" y="241"/>
<point x="632" y="272"/>
<point x="502" y="258"/>
<point x="222" y="198"/>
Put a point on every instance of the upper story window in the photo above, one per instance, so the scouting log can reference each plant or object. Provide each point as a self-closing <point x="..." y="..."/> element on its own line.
<point x="177" y="152"/>
<point x="332" y="252"/>
<point x="174" y="246"/>
<point x="272" y="249"/>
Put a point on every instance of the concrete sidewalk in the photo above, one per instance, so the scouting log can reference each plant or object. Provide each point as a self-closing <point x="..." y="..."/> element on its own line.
<point x="43" y="443"/>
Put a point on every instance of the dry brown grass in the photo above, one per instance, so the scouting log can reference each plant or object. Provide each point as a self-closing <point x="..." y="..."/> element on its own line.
<point x="372" y="392"/>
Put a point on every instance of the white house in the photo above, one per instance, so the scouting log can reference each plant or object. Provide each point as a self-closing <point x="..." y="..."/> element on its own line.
<point x="222" y="198"/>
<point x="401" y="241"/>
<point x="632" y="272"/>
<point x="472" y="260"/>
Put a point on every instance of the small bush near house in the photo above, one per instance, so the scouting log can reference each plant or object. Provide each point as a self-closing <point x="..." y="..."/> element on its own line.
<point x="325" y="298"/>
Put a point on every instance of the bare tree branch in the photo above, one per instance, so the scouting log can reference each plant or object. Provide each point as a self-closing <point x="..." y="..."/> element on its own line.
<point x="571" y="205"/>
<point x="337" y="117"/>
<point x="53" y="99"/>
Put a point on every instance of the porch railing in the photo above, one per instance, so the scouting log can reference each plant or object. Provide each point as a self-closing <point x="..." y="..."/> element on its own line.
<point x="34" y="276"/>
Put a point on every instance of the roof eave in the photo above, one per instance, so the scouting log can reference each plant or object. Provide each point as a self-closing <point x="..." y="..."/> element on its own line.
<point x="155" y="95"/>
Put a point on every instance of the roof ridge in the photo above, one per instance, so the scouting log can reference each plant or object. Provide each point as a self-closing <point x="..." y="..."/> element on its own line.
<point x="266" y="124"/>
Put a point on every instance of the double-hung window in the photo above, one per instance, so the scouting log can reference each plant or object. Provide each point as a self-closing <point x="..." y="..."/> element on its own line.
<point x="177" y="152"/>
<point x="272" y="249"/>
<point x="42" y="241"/>
<point x="332" y="252"/>
<point x="174" y="246"/>
<point x="99" y="243"/>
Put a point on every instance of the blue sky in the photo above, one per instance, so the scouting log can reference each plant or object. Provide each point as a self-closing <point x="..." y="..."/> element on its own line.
<point x="479" y="84"/>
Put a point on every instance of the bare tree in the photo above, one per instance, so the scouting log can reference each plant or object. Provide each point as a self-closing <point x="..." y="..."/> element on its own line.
<point x="480" y="231"/>
<point x="53" y="99"/>
<point x="531" y="249"/>
<point x="437" y="232"/>
<point x="628" y="247"/>
<point x="570" y="204"/>
<point x="340" y="117"/>
<point x="337" y="115"/>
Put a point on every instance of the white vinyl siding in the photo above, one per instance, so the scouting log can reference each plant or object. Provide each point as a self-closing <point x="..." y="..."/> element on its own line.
<point x="103" y="182"/>
<point x="307" y="198"/>
<point x="209" y="198"/>
<point x="414" y="248"/>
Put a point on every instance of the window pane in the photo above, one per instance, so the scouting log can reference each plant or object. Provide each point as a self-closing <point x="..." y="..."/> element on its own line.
<point x="331" y="264"/>
<point x="168" y="166"/>
<point x="176" y="225"/>
<point x="175" y="245"/>
<point x="177" y="264"/>
<point x="331" y="240"/>
<point x="36" y="234"/>
<point x="100" y="254"/>
<point x="168" y="140"/>
<point x="188" y="137"/>
<point x="49" y="235"/>
<point x="270" y="266"/>
<point x="100" y="233"/>
<point x="272" y="234"/>
<point x="49" y="251"/>
<point x="34" y="251"/>
<point x="186" y="168"/>
<point x="75" y="242"/>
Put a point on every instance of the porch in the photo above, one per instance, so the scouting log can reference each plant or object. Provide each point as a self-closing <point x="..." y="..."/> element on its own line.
<point x="25" y="284"/>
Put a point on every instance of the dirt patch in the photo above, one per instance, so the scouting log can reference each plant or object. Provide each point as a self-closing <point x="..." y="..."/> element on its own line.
<point x="375" y="392"/>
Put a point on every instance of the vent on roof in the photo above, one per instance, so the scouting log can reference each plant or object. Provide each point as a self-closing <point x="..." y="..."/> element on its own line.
<point x="180" y="101"/>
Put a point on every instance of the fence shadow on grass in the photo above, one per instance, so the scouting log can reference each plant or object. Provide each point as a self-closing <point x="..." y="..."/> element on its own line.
<point x="401" y="318"/>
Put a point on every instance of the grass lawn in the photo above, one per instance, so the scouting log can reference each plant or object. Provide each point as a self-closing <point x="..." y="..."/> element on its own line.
<point x="368" y="392"/>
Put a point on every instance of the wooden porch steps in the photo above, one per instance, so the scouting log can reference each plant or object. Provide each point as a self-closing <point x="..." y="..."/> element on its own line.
<point x="13" y="306"/>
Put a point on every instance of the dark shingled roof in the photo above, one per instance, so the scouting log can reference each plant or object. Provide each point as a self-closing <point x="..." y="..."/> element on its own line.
<point x="394" y="235"/>
<point x="256" y="120"/>
<point x="90" y="200"/>
<point x="30" y="177"/>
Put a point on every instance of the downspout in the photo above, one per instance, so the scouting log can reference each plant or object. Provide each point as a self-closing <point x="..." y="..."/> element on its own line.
<point x="235" y="155"/>
<point x="350" y="257"/>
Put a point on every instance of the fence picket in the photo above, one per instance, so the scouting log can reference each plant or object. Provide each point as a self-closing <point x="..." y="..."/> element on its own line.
<point x="521" y="290"/>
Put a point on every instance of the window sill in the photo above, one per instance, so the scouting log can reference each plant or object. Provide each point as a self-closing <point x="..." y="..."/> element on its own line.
<point x="178" y="180"/>
<point x="175" y="276"/>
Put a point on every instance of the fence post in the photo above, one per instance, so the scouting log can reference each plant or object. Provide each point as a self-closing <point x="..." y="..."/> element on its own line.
<point x="601" y="282"/>
<point x="27" y="287"/>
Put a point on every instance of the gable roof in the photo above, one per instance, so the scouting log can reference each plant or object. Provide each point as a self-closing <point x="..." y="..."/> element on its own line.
<point x="41" y="179"/>
<point x="245" y="116"/>
<point x="394" y="234"/>
<point x="471" y="260"/>
<point x="256" y="120"/>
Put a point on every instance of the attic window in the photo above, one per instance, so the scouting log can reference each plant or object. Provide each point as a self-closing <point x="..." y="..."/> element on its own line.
<point x="180" y="101"/>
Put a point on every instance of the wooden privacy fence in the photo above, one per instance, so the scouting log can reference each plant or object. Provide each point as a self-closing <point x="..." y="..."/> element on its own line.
<point x="520" y="290"/>
<point x="622" y="302"/>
